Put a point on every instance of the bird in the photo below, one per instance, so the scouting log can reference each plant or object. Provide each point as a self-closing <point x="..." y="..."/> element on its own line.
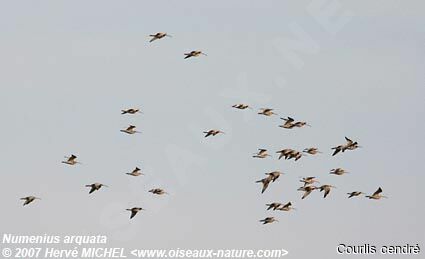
<point x="158" y="35"/>
<point x="338" y="171"/>
<point x="311" y="151"/>
<point x="131" y="111"/>
<point x="300" y="124"/>
<point x="309" y="180"/>
<point x="326" y="188"/>
<point x="269" y="220"/>
<point x="130" y="130"/>
<point x="376" y="195"/>
<point x="265" y="181"/>
<point x="266" y="112"/>
<point x="274" y="175"/>
<point x="95" y="186"/>
<point x="29" y="199"/>
<point x="307" y="190"/>
<point x="158" y="191"/>
<point x="286" y="207"/>
<point x="273" y="205"/>
<point x="134" y="211"/>
<point x="71" y="160"/>
<point x="262" y="153"/>
<point x="352" y="194"/>
<point x="194" y="53"/>
<point x="285" y="152"/>
<point x="213" y="132"/>
<point x="288" y="123"/>
<point x="135" y="172"/>
<point x="241" y="106"/>
<point x="349" y="145"/>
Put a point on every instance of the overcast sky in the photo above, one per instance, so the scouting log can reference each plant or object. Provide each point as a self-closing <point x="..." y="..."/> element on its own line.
<point x="69" y="67"/>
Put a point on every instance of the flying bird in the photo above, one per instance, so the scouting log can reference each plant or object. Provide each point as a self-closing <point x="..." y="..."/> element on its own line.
<point x="288" y="123"/>
<point x="213" y="132"/>
<point x="285" y="152"/>
<point x="352" y="194"/>
<point x="273" y="205"/>
<point x="269" y="220"/>
<point x="130" y="130"/>
<point x="95" y="186"/>
<point x="130" y="111"/>
<point x="241" y="106"/>
<point x="158" y="35"/>
<point x="29" y="199"/>
<point x="376" y="195"/>
<point x="326" y="188"/>
<point x="309" y="180"/>
<point x="287" y="207"/>
<point x="267" y="112"/>
<point x="349" y="145"/>
<point x="311" y="151"/>
<point x="71" y="160"/>
<point x="135" y="172"/>
<point x="265" y="181"/>
<point x="307" y="190"/>
<point x="338" y="171"/>
<point x="158" y="191"/>
<point x="134" y="211"/>
<point x="274" y="175"/>
<point x="262" y="153"/>
<point x="194" y="53"/>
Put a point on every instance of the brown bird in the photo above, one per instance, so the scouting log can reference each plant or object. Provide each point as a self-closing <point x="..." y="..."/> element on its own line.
<point x="338" y="171"/>
<point x="269" y="220"/>
<point x="287" y="207"/>
<point x="29" y="199"/>
<point x="213" y="132"/>
<point x="262" y="153"/>
<point x="130" y="130"/>
<point x="326" y="188"/>
<point x="288" y="123"/>
<point x="135" y="172"/>
<point x="274" y="175"/>
<point x="266" y="112"/>
<point x="95" y="186"/>
<point x="241" y="106"/>
<point x="158" y="191"/>
<point x="311" y="151"/>
<point x="349" y="145"/>
<point x="265" y="181"/>
<point x="130" y="111"/>
<point x="158" y="36"/>
<point x="309" y="180"/>
<point x="273" y="205"/>
<point x="376" y="195"/>
<point x="307" y="190"/>
<point x="352" y="194"/>
<point x="285" y="152"/>
<point x="194" y="53"/>
<point x="300" y="124"/>
<point x="71" y="160"/>
<point x="134" y="211"/>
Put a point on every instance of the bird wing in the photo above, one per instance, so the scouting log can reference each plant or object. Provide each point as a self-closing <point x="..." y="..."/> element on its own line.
<point x="265" y="185"/>
<point x="133" y="213"/>
<point x="348" y="140"/>
<point x="131" y="127"/>
<point x="327" y="191"/>
<point x="306" y="193"/>
<point x="336" y="151"/>
<point x="377" y="191"/>
<point x="93" y="188"/>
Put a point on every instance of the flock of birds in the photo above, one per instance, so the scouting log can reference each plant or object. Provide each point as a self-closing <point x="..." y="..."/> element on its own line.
<point x="289" y="123"/>
<point x="308" y="182"/>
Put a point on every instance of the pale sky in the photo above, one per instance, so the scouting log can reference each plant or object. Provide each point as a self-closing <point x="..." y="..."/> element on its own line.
<point x="69" y="67"/>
